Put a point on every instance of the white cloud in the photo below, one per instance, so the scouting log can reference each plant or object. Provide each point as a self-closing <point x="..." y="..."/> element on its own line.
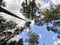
<point x="43" y="4"/>
<point x="32" y="23"/>
<point x="56" y="2"/>
<point x="40" y="36"/>
<point x="56" y="42"/>
<point x="14" y="7"/>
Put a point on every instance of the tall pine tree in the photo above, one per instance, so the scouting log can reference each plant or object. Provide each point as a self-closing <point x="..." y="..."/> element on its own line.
<point x="29" y="10"/>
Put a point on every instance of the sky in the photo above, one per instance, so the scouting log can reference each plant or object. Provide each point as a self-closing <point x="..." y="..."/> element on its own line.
<point x="48" y="38"/>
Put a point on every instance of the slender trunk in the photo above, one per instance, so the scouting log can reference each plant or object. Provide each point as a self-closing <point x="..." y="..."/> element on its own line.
<point x="8" y="12"/>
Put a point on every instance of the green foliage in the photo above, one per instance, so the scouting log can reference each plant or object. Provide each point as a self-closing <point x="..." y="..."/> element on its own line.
<point x="33" y="38"/>
<point x="27" y="24"/>
<point x="12" y="43"/>
<point x="6" y="25"/>
<point x="2" y="23"/>
<point x="57" y="23"/>
<point x="58" y="44"/>
<point x="29" y="10"/>
<point x="20" y="42"/>
<point x="11" y="25"/>
<point x="58" y="37"/>
<point x="50" y="13"/>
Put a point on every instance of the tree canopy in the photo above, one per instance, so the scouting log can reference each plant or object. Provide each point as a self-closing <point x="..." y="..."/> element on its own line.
<point x="29" y="10"/>
<point x="6" y="25"/>
<point x="33" y="38"/>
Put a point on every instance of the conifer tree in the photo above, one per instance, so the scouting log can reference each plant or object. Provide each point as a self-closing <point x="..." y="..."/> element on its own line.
<point x="29" y="10"/>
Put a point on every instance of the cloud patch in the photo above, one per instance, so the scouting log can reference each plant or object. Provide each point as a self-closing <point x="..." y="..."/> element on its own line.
<point x="56" y="2"/>
<point x="43" y="4"/>
<point x="56" y="42"/>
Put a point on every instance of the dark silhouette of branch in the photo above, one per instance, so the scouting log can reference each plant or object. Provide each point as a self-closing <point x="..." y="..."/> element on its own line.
<point x="8" y="12"/>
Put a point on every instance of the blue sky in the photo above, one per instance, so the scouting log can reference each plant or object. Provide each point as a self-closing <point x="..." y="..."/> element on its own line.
<point x="45" y="37"/>
<point x="46" y="1"/>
